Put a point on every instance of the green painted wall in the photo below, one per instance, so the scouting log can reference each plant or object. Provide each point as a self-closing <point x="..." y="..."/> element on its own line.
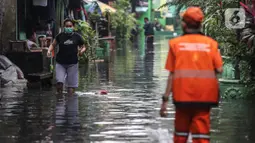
<point x="162" y="21"/>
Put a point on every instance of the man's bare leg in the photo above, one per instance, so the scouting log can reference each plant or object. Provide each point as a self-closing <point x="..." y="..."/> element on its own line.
<point x="59" y="88"/>
<point x="70" y="91"/>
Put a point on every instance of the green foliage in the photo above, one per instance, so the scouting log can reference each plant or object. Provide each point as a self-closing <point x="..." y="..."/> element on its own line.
<point x="123" y="21"/>
<point x="94" y="17"/>
<point x="211" y="5"/>
<point x="88" y="35"/>
<point x="227" y="38"/>
<point x="245" y="74"/>
<point x="246" y="78"/>
<point x="229" y="42"/>
<point x="214" y="23"/>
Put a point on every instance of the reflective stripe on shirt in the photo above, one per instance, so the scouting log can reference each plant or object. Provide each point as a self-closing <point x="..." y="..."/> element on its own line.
<point x="194" y="74"/>
<point x="200" y="47"/>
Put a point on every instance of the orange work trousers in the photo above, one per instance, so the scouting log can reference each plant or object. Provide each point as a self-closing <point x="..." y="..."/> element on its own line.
<point x="192" y="120"/>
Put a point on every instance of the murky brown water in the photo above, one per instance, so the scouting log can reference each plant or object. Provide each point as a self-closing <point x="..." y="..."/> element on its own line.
<point x="135" y="80"/>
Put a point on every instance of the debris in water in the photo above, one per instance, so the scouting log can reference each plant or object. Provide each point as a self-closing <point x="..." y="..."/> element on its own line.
<point x="103" y="92"/>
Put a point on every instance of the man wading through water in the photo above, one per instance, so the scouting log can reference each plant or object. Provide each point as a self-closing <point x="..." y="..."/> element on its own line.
<point x="193" y="62"/>
<point x="148" y="31"/>
<point x="71" y="44"/>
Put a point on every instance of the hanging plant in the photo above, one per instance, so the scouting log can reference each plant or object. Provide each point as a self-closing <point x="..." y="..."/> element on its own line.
<point x="94" y="17"/>
<point x="88" y="35"/>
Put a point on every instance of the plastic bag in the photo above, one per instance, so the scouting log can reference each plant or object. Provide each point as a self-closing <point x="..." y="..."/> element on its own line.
<point x="9" y="76"/>
<point x="5" y="63"/>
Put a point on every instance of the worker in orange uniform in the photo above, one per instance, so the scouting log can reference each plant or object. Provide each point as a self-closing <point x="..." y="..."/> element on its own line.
<point x="194" y="62"/>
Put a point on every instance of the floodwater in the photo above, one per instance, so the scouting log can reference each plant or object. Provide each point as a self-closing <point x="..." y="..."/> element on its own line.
<point x="135" y="79"/>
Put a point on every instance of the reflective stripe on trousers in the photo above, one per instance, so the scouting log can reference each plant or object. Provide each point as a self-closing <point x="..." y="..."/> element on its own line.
<point x="200" y="136"/>
<point x="182" y="134"/>
<point x="196" y="136"/>
<point x="194" y="74"/>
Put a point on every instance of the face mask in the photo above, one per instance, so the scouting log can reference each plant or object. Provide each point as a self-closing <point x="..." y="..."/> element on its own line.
<point x="68" y="30"/>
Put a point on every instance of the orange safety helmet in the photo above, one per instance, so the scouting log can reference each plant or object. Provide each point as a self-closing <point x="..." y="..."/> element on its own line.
<point x="193" y="15"/>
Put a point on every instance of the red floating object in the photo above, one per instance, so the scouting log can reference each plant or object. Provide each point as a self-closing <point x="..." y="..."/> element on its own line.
<point x="103" y="92"/>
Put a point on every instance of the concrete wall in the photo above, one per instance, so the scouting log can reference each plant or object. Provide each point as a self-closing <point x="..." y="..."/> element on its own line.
<point x="7" y="23"/>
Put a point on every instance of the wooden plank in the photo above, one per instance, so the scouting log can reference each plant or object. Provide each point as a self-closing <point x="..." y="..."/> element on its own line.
<point x="39" y="76"/>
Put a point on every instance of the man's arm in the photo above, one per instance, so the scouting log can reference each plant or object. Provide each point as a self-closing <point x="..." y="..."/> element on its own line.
<point x="219" y="70"/>
<point x="217" y="60"/>
<point x="81" y="45"/>
<point x="34" y="46"/>
<point x="170" y="65"/>
<point x="169" y="85"/>
<point x="53" y="45"/>
<point x="82" y="49"/>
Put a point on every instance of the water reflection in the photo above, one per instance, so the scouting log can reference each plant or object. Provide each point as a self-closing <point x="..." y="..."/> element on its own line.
<point x="67" y="124"/>
<point x="103" y="71"/>
<point x="24" y="117"/>
<point x="149" y="61"/>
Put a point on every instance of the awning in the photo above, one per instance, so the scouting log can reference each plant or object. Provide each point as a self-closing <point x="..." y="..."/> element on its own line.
<point x="104" y="7"/>
<point x="93" y="5"/>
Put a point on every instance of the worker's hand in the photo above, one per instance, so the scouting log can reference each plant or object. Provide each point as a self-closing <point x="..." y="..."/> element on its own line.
<point x="163" y="110"/>
<point x="49" y="54"/>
